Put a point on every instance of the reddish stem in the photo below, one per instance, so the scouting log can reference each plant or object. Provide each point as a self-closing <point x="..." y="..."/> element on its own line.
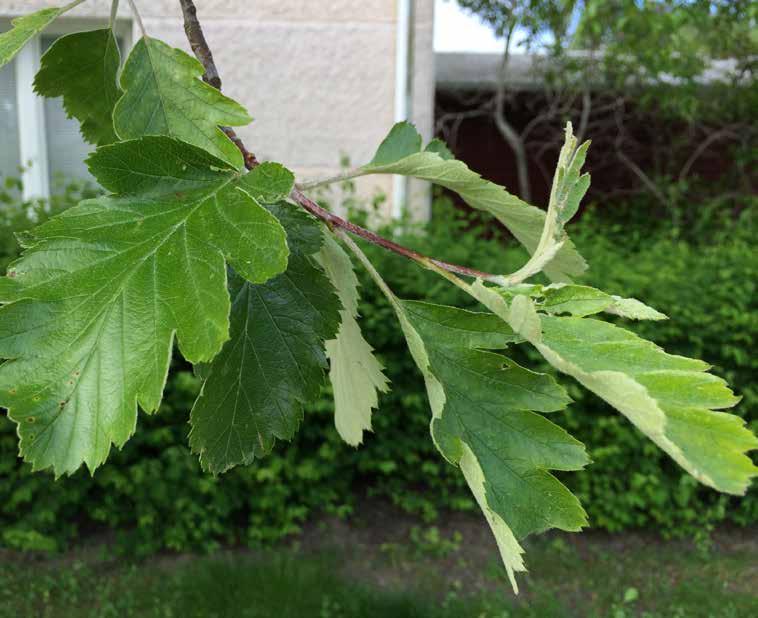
<point x="199" y="46"/>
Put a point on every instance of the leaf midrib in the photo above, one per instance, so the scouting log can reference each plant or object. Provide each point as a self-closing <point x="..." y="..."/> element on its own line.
<point x="106" y="307"/>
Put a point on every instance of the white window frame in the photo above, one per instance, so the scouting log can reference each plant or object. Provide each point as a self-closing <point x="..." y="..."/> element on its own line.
<point x="30" y="107"/>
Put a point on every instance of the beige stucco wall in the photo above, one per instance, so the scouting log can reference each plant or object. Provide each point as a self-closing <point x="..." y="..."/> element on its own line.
<point x="317" y="77"/>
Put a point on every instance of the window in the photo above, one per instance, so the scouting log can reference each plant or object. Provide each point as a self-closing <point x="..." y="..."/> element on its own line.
<point x="9" y="153"/>
<point x="37" y="140"/>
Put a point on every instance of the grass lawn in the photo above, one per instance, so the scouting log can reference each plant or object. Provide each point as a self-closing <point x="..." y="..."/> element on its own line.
<point x="339" y="571"/>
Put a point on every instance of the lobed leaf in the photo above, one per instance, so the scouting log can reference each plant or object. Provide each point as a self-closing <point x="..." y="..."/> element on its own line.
<point x="82" y="68"/>
<point x="355" y="373"/>
<point x="581" y="301"/>
<point x="567" y="191"/>
<point x="400" y="153"/>
<point x="157" y="165"/>
<point x="669" y="398"/>
<point x="254" y="391"/>
<point x="484" y="420"/>
<point x="164" y="95"/>
<point x="99" y="294"/>
<point x="270" y="183"/>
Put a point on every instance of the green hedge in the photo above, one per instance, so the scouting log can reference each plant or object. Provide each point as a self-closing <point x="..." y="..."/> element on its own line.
<point x="152" y="494"/>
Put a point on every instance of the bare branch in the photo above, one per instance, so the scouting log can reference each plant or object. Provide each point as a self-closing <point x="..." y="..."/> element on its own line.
<point x="702" y="147"/>
<point x="199" y="45"/>
<point x="585" y="117"/>
<point x="506" y="129"/>
<point x="636" y="169"/>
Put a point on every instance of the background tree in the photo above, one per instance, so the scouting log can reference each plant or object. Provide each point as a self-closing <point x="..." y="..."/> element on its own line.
<point x="613" y="65"/>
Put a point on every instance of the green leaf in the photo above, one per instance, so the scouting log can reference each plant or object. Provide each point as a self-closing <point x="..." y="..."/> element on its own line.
<point x="304" y="233"/>
<point x="669" y="398"/>
<point x="574" y="197"/>
<point x="82" y="68"/>
<point x="254" y="391"/>
<point x="511" y="552"/>
<point x="633" y="309"/>
<point x="569" y="187"/>
<point x="23" y="29"/>
<point x="402" y="141"/>
<point x="269" y="182"/>
<point x="483" y="420"/>
<point x="440" y="147"/>
<point x="355" y="373"/>
<point x="401" y="153"/>
<point x="566" y="193"/>
<point x="157" y="165"/>
<point x="483" y="417"/>
<point x="164" y="95"/>
<point x="580" y="301"/>
<point x="97" y="298"/>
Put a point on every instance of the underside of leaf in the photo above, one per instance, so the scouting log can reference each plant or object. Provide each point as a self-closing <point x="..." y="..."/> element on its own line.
<point x="23" y="29"/>
<point x="401" y="153"/>
<point x="355" y="373"/>
<point x="669" y="398"/>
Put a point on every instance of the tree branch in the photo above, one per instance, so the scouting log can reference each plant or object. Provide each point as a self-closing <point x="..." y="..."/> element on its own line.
<point x="631" y="165"/>
<point x="702" y="147"/>
<point x="510" y="134"/>
<point x="199" y="46"/>
<point x="584" y="120"/>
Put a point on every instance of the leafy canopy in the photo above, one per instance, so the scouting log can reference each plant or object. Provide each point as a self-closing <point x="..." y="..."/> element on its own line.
<point x="651" y="44"/>
<point x="262" y="298"/>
